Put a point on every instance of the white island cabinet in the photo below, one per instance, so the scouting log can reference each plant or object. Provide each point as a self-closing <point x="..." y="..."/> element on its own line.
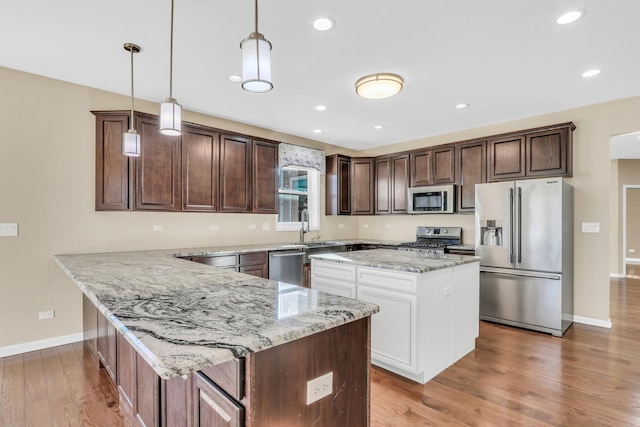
<point x="428" y="315"/>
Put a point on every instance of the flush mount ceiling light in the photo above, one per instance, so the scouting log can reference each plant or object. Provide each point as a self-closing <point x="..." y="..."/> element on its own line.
<point x="170" y="110"/>
<point x="321" y="108"/>
<point x="131" y="138"/>
<point x="378" y="127"/>
<point x="256" y="61"/>
<point x="460" y="106"/>
<point x="378" y="86"/>
<point x="324" y="23"/>
<point x="317" y="131"/>
<point x="235" y="79"/>
<point x="590" y="73"/>
<point x="569" y="17"/>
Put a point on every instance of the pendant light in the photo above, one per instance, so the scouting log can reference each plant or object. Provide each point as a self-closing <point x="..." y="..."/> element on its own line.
<point x="256" y="61"/>
<point x="131" y="138"/>
<point x="170" y="110"/>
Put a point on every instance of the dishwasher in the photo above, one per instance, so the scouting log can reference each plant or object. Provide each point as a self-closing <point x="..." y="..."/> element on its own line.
<point x="286" y="266"/>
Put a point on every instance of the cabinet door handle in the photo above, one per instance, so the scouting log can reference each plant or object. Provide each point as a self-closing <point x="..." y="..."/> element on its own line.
<point x="286" y="254"/>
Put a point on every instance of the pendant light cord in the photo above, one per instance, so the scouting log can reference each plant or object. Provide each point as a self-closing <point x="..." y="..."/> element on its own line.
<point x="256" y="18"/>
<point x="171" y="56"/>
<point x="132" y="96"/>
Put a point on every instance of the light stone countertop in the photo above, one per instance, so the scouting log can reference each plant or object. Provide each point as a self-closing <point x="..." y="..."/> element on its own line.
<point x="183" y="316"/>
<point x="408" y="261"/>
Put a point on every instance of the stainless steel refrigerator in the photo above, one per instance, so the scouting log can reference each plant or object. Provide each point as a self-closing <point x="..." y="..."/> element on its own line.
<point x="524" y="235"/>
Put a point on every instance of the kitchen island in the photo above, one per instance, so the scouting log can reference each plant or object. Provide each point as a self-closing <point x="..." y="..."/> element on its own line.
<point x="187" y="344"/>
<point x="429" y="304"/>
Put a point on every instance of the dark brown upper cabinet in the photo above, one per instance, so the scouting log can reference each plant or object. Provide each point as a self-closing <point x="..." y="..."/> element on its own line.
<point x="362" y="186"/>
<point x="421" y="168"/>
<point x="197" y="171"/>
<point x="114" y="170"/>
<point x="549" y="151"/>
<point x="265" y="177"/>
<point x="338" y="185"/>
<point x="383" y="186"/>
<point x="200" y="170"/>
<point x="532" y="153"/>
<point x="444" y="165"/>
<point x="472" y="170"/>
<point x="391" y="181"/>
<point x="158" y="169"/>
<point x="506" y="157"/>
<point x="235" y="173"/>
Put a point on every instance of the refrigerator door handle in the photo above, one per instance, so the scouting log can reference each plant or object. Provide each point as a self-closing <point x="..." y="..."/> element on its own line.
<point x="511" y="228"/>
<point x="520" y="273"/>
<point x="519" y="224"/>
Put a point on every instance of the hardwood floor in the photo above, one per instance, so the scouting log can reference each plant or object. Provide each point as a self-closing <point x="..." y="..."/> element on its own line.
<point x="590" y="377"/>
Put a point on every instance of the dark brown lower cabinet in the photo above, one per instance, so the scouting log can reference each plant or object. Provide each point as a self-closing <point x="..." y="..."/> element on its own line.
<point x="213" y="407"/>
<point x="267" y="388"/>
<point x="107" y="345"/>
<point x="306" y="275"/>
<point x="253" y="263"/>
<point x="138" y="387"/>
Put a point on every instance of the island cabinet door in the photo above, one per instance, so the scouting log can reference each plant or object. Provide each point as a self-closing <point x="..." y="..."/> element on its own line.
<point x="394" y="328"/>
<point x="212" y="407"/>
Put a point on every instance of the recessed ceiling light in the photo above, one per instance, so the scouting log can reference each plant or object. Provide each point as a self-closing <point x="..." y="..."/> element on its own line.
<point x="569" y="17"/>
<point x="378" y="127"/>
<point x="590" y="73"/>
<point x="460" y="106"/>
<point x="324" y="23"/>
<point x="317" y="131"/>
<point x="321" y="107"/>
<point x="235" y="79"/>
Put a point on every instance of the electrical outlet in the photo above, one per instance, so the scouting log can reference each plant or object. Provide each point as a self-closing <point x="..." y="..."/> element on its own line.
<point x="590" y="227"/>
<point x="158" y="227"/>
<point x="252" y="226"/>
<point x="632" y="251"/>
<point x="320" y="387"/>
<point x="340" y="225"/>
<point x="9" y="229"/>
<point x="49" y="314"/>
<point x="266" y="226"/>
<point x="213" y="227"/>
<point x="365" y="225"/>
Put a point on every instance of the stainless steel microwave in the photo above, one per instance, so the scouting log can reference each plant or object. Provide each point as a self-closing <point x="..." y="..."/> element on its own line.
<point x="432" y="199"/>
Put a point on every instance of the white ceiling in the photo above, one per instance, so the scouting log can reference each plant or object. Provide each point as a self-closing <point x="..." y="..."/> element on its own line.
<point x="506" y="58"/>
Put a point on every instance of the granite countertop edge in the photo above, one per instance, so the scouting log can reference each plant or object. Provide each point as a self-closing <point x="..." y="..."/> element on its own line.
<point x="405" y="261"/>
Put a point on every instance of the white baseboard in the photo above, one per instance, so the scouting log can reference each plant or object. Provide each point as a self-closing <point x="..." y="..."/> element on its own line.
<point x="616" y="275"/>
<point x="593" y="322"/>
<point x="39" y="345"/>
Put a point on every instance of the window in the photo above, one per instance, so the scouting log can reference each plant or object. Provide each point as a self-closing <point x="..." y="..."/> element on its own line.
<point x="299" y="188"/>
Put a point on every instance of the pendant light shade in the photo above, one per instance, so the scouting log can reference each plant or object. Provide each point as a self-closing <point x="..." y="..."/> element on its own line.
<point x="170" y="110"/>
<point x="256" y="61"/>
<point x="131" y="138"/>
<point x="170" y="117"/>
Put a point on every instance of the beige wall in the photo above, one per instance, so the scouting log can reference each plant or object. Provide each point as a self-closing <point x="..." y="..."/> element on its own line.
<point x="624" y="172"/>
<point x="47" y="186"/>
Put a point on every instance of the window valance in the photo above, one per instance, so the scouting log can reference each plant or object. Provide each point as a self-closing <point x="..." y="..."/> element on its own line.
<point x="295" y="155"/>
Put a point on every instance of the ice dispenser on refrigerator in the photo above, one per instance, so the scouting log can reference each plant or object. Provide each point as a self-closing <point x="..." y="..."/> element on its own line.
<point x="491" y="232"/>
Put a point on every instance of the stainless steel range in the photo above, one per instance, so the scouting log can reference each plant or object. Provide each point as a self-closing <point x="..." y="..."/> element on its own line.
<point x="433" y="240"/>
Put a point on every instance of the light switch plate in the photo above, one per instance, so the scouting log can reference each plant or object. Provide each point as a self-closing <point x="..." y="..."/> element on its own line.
<point x="590" y="227"/>
<point x="9" y="229"/>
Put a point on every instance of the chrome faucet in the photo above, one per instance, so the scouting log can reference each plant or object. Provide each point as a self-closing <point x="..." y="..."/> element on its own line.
<point x="303" y="214"/>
